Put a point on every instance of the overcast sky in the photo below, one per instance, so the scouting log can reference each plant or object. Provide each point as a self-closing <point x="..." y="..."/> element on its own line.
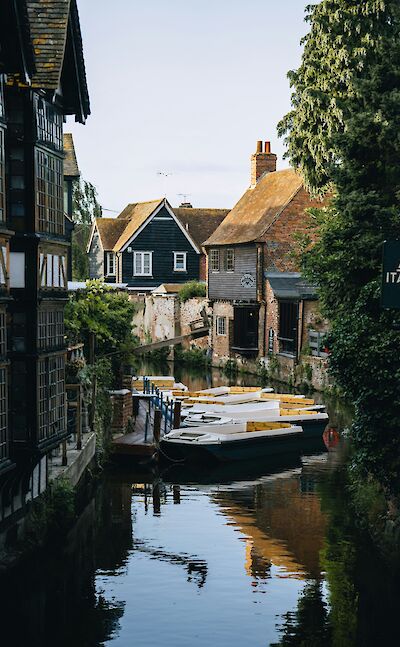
<point x="184" y="87"/>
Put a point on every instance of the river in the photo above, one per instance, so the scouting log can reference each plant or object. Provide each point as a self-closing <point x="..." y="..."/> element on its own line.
<point x="256" y="555"/>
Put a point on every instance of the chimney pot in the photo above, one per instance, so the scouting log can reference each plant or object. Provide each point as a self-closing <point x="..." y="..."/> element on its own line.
<point x="262" y="162"/>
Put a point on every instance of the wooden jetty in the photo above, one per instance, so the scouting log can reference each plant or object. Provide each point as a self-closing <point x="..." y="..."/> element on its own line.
<point x="154" y="417"/>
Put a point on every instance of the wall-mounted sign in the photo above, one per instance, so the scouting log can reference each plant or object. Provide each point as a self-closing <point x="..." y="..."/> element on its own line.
<point x="391" y="275"/>
<point x="247" y="281"/>
<point x="271" y="340"/>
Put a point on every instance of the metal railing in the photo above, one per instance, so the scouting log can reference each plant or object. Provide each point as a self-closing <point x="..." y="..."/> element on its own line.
<point x="170" y="409"/>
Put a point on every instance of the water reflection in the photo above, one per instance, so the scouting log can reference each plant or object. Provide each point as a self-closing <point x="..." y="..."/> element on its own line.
<point x="269" y="555"/>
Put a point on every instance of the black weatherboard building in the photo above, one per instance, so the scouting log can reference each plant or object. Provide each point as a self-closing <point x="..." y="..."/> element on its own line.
<point x="42" y="79"/>
<point x="151" y="243"/>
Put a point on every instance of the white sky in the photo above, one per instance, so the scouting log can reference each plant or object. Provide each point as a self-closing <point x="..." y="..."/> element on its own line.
<point x="185" y="87"/>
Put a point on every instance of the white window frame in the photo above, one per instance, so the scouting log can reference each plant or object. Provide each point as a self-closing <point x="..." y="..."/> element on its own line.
<point x="141" y="255"/>
<point x="216" y="254"/>
<point x="231" y="251"/>
<point x="180" y="269"/>
<point x="220" y="326"/>
<point x="109" y="256"/>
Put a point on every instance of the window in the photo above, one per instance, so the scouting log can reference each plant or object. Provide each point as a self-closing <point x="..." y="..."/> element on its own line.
<point x="214" y="260"/>
<point x="2" y="178"/>
<point x="287" y="336"/>
<point x="50" y="329"/>
<point x="48" y="124"/>
<point x="180" y="261"/>
<point x="52" y="271"/>
<point x="49" y="193"/>
<point x="142" y="263"/>
<point x="51" y="397"/>
<point x="110" y="264"/>
<point x="3" y="263"/>
<point x="17" y="269"/>
<point x="3" y="414"/>
<point x="221" y="325"/>
<point x="229" y="260"/>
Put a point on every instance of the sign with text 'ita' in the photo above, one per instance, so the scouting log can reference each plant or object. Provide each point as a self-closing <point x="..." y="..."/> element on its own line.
<point x="391" y="274"/>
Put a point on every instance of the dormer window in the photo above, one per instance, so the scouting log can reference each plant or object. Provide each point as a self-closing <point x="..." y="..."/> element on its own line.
<point x="180" y="261"/>
<point x="110" y="269"/>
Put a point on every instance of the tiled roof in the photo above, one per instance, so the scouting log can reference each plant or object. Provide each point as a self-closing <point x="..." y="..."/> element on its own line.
<point x="55" y="37"/>
<point x="70" y="162"/>
<point x="110" y="229"/>
<point x="48" y="21"/>
<point x="200" y="223"/>
<point x="257" y="209"/>
<point x="132" y="217"/>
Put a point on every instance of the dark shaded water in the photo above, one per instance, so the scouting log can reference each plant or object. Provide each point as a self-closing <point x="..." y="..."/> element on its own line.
<point x="254" y="555"/>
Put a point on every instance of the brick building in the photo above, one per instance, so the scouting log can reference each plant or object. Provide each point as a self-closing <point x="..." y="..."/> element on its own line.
<point x="258" y="298"/>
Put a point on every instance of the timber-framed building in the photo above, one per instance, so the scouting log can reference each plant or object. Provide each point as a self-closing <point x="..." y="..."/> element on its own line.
<point x="42" y="79"/>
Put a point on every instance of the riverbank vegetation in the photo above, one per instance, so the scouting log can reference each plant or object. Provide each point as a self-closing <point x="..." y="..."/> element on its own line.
<point x="100" y="318"/>
<point x="342" y="135"/>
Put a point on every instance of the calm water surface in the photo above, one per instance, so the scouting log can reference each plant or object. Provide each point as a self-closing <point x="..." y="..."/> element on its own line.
<point x="248" y="555"/>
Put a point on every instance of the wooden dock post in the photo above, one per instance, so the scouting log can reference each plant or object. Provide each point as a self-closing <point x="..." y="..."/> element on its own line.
<point x="157" y="426"/>
<point x="177" y="414"/>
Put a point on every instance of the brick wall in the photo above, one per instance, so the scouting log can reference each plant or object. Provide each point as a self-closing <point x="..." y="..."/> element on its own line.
<point x="280" y="239"/>
<point x="122" y="409"/>
<point x="221" y="344"/>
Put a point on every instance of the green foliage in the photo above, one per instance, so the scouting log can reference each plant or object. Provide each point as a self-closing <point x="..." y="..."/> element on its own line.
<point x="80" y="258"/>
<point x="343" y="132"/>
<point x="192" y="289"/>
<point x="231" y="367"/>
<point x="85" y="209"/>
<point x="102" y="372"/>
<point x="51" y="515"/>
<point x="85" y="205"/>
<point x="194" y="356"/>
<point x="105" y="313"/>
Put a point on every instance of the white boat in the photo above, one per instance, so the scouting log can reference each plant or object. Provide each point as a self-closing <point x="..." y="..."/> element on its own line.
<point x="235" y="398"/>
<point x="232" y="442"/>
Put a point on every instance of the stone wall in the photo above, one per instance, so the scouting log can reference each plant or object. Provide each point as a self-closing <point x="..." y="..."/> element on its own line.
<point x="160" y="317"/>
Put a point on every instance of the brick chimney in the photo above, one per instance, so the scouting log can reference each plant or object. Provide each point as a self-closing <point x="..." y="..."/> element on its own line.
<point x="262" y="161"/>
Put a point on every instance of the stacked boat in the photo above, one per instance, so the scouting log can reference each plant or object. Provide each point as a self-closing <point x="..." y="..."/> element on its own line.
<point x="236" y="423"/>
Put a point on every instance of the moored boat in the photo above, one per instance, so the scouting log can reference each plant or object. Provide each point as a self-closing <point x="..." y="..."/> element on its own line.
<point x="231" y="442"/>
<point x="312" y="422"/>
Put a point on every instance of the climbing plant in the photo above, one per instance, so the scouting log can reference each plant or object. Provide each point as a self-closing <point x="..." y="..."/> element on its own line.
<point x="343" y="135"/>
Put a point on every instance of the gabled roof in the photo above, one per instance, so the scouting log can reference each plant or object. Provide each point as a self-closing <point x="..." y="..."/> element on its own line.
<point x="138" y="214"/>
<point x="200" y="223"/>
<point x="257" y="209"/>
<point x="109" y="230"/>
<point x="134" y="215"/>
<point x="55" y="35"/>
<point x="70" y="162"/>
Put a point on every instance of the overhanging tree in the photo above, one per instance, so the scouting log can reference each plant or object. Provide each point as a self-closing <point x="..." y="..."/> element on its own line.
<point x="343" y="134"/>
